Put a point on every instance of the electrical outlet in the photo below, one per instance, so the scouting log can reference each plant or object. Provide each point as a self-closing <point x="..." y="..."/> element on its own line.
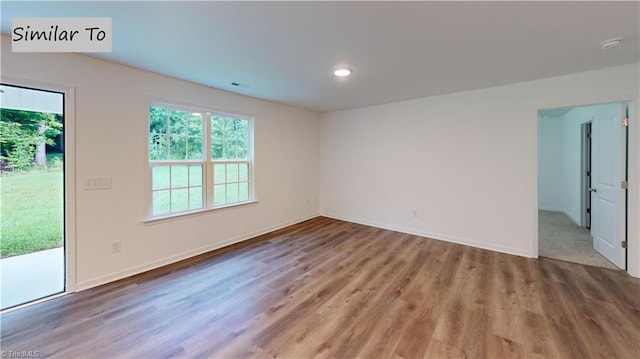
<point x="415" y="214"/>
<point x="116" y="247"/>
<point x="308" y="202"/>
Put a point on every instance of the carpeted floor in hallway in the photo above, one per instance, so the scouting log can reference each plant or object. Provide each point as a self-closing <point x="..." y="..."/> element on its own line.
<point x="560" y="238"/>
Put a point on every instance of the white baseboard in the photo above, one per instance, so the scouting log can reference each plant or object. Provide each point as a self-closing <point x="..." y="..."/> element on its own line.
<point x="437" y="236"/>
<point x="185" y="255"/>
<point x="551" y="209"/>
<point x="561" y="210"/>
<point x="577" y="222"/>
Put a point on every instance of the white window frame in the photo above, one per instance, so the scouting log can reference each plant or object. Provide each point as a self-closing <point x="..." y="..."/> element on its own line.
<point x="207" y="162"/>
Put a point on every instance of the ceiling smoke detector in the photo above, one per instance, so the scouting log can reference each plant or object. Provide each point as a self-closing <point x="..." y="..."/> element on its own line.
<point x="611" y="43"/>
<point x="241" y="85"/>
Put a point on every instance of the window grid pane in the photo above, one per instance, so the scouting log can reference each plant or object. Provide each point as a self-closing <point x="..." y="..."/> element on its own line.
<point x="176" y="188"/>
<point x="179" y="200"/>
<point x="229" y="138"/>
<point x="195" y="197"/>
<point x="175" y="134"/>
<point x="179" y="176"/>
<point x="195" y="175"/>
<point x="160" y="178"/>
<point x="243" y="191"/>
<point x="219" y="174"/>
<point x="219" y="194"/>
<point x="243" y="172"/>
<point x="231" y="182"/>
<point x="161" y="200"/>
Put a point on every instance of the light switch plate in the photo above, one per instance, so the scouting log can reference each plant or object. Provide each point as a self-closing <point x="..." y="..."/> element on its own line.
<point x="97" y="183"/>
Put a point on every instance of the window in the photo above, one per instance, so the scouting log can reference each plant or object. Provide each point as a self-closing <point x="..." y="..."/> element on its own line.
<point x="198" y="159"/>
<point x="229" y="152"/>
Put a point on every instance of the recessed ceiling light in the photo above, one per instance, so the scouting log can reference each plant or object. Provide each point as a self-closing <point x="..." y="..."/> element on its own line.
<point x="342" y="72"/>
<point x="611" y="43"/>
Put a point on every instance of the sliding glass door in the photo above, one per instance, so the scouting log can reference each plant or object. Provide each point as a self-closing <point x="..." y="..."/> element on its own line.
<point x="32" y="183"/>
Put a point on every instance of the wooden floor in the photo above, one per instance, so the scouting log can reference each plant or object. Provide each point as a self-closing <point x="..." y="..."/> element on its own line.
<point x="327" y="288"/>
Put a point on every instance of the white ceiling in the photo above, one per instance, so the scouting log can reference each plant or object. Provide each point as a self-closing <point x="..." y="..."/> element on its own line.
<point x="285" y="51"/>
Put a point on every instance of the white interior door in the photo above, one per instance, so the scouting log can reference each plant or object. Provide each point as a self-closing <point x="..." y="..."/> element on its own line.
<point x="607" y="195"/>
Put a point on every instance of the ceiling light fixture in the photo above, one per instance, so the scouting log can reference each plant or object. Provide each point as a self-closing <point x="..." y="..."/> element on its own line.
<point x="344" y="72"/>
<point x="611" y="43"/>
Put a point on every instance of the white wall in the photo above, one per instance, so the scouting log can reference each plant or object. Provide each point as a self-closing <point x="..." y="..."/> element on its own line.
<point x="466" y="162"/>
<point x="550" y="164"/>
<point x="111" y="140"/>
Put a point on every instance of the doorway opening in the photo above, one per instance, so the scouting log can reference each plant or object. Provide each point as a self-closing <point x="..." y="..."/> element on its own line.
<point x="582" y="161"/>
<point x="32" y="185"/>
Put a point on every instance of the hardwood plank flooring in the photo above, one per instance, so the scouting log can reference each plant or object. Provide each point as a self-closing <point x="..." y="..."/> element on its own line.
<point x="332" y="289"/>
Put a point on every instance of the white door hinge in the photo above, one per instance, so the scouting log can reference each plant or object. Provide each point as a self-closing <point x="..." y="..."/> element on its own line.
<point x="624" y="184"/>
<point x="625" y="122"/>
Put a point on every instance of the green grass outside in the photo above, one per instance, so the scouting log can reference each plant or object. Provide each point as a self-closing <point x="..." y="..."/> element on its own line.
<point x="31" y="211"/>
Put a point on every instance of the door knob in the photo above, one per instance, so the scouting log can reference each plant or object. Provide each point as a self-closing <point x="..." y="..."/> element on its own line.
<point x="593" y="189"/>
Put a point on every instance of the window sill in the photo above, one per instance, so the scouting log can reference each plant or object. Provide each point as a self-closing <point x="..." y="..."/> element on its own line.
<point x="181" y="215"/>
